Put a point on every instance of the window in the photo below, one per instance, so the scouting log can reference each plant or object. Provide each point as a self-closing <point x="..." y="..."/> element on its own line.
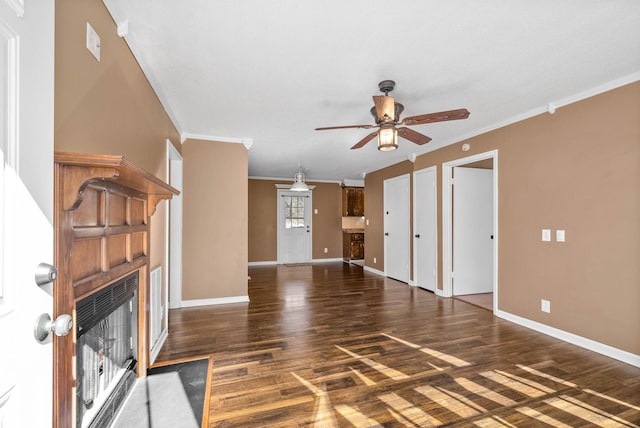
<point x="294" y="212"/>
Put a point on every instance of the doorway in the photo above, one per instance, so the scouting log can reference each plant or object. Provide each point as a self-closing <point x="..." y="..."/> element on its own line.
<point x="470" y="228"/>
<point x="396" y="227"/>
<point x="174" y="229"/>
<point x="425" y="229"/>
<point x="294" y="226"/>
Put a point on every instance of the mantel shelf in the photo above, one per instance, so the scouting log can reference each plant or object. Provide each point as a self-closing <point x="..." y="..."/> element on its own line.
<point x="87" y="168"/>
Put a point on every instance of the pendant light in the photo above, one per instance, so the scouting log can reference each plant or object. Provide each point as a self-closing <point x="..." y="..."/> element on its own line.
<point x="298" y="182"/>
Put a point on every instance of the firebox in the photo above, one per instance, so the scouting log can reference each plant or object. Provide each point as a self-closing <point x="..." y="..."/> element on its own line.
<point x="106" y="348"/>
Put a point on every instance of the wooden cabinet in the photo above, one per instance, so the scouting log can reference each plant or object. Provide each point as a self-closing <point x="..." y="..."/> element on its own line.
<point x="353" y="245"/>
<point x="352" y="201"/>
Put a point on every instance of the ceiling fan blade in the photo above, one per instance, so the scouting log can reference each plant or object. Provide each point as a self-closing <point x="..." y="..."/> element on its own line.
<point x="345" y="127"/>
<point x="413" y="136"/>
<point x="365" y="140"/>
<point x="441" y="116"/>
<point x="385" y="106"/>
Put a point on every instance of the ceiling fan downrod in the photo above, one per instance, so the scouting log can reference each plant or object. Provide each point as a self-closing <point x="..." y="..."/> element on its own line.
<point x="386" y="86"/>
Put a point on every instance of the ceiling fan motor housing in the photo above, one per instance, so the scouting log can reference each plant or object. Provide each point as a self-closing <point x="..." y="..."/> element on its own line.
<point x="399" y="108"/>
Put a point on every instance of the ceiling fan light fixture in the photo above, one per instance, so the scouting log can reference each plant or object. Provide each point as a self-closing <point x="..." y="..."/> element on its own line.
<point x="387" y="138"/>
<point x="299" y="184"/>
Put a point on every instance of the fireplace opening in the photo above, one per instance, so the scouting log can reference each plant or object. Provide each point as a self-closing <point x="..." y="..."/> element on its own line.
<point x="106" y="351"/>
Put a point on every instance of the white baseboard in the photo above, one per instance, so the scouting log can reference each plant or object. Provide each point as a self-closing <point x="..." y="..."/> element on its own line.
<point x="592" y="345"/>
<point x="155" y="349"/>
<point x="440" y="293"/>
<point x="215" y="301"/>
<point x="372" y="270"/>
<point x="263" y="263"/>
<point x="338" y="259"/>
<point x="275" y="262"/>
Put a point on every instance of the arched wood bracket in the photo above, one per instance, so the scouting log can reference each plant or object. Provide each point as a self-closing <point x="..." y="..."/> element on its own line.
<point x="153" y="200"/>
<point x="79" y="170"/>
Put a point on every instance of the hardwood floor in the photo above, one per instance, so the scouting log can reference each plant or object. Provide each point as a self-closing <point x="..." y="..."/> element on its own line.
<point x="484" y="300"/>
<point x="330" y="345"/>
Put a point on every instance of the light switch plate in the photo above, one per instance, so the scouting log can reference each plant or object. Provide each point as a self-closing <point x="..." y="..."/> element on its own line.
<point x="559" y="235"/>
<point x="546" y="235"/>
<point x="545" y="306"/>
<point x="93" y="41"/>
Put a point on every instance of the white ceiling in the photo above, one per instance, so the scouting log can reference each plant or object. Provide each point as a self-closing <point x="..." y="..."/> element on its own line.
<point x="270" y="71"/>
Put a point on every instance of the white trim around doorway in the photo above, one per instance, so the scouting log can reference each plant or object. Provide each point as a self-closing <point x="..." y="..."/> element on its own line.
<point x="447" y="223"/>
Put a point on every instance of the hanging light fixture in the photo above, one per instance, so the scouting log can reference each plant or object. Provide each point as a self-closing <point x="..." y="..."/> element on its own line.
<point x="387" y="138"/>
<point x="298" y="182"/>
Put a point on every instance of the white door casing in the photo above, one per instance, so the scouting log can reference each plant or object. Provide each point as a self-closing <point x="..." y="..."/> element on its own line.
<point x="294" y="238"/>
<point x="397" y="227"/>
<point x="26" y="209"/>
<point x="472" y="231"/>
<point x="174" y="249"/>
<point x="425" y="229"/>
<point x="447" y="222"/>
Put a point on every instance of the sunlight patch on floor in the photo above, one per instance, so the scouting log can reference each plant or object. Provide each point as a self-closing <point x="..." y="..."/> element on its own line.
<point x="356" y="418"/>
<point x="385" y="370"/>
<point x="409" y="410"/>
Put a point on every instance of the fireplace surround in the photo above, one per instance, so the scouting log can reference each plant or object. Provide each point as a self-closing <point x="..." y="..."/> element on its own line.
<point x="102" y="206"/>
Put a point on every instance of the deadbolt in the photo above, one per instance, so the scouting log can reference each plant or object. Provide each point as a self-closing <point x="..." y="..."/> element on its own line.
<point x="45" y="273"/>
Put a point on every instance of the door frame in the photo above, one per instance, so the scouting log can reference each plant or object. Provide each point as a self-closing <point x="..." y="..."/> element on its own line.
<point x="433" y="169"/>
<point x="279" y="224"/>
<point x="384" y="223"/>
<point x="447" y="222"/>
<point x="173" y="248"/>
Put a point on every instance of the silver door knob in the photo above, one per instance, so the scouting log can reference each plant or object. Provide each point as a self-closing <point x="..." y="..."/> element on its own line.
<point x="45" y="326"/>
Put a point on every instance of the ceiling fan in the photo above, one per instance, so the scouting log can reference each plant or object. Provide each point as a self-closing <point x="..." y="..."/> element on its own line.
<point x="387" y="116"/>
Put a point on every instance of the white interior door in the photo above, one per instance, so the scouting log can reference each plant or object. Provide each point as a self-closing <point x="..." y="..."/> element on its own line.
<point x="472" y="231"/>
<point x="396" y="227"/>
<point x="26" y="208"/>
<point x="294" y="227"/>
<point x="425" y="231"/>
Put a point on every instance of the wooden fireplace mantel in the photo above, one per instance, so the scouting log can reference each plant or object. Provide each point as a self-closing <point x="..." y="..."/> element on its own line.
<point x="83" y="169"/>
<point x="102" y="206"/>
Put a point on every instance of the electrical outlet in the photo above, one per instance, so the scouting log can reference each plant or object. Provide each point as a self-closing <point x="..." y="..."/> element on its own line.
<point x="545" y="306"/>
<point x="559" y="235"/>
<point x="546" y="235"/>
<point x="326" y="250"/>
<point x="374" y="260"/>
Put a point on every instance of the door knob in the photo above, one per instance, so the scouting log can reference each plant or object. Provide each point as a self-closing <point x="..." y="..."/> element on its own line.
<point x="386" y="234"/>
<point x="417" y="235"/>
<point x="45" y="326"/>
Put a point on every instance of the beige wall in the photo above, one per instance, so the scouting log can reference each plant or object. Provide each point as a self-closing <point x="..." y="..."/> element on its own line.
<point x="108" y="107"/>
<point x="263" y="228"/>
<point x="578" y="170"/>
<point x="214" y="257"/>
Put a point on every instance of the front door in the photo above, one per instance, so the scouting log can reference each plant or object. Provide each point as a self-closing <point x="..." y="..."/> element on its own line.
<point x="397" y="227"/>
<point x="294" y="227"/>
<point x="26" y="208"/>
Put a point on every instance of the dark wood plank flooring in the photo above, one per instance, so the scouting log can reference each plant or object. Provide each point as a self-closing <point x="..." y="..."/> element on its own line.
<point x="330" y="345"/>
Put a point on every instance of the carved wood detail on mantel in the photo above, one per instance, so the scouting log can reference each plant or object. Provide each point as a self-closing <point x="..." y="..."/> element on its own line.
<point x="84" y="169"/>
